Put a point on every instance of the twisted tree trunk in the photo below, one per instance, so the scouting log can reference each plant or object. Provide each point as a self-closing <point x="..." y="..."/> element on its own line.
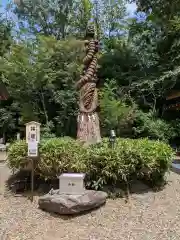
<point x="88" y="120"/>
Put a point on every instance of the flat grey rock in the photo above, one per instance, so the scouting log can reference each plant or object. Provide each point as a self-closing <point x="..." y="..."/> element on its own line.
<point x="71" y="204"/>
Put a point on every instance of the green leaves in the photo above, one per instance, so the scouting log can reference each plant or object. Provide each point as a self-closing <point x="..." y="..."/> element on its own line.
<point x="115" y="112"/>
<point x="45" y="17"/>
<point x="41" y="76"/>
<point x="5" y="35"/>
<point x="57" y="155"/>
<point x="17" y="155"/>
<point x="45" y="61"/>
<point x="129" y="160"/>
<point x="147" y="125"/>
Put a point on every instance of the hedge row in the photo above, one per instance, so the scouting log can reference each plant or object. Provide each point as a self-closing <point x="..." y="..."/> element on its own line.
<point x="129" y="159"/>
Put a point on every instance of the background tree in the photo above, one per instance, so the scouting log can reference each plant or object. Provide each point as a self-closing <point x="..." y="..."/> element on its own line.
<point x="41" y="78"/>
<point x="7" y="113"/>
<point x="45" y="17"/>
<point x="140" y="56"/>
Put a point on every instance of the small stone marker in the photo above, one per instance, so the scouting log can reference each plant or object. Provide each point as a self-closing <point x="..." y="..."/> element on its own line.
<point x="71" y="183"/>
<point x="71" y="197"/>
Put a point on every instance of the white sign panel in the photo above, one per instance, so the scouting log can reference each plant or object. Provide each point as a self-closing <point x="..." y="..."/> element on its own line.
<point x="33" y="132"/>
<point x="32" y="149"/>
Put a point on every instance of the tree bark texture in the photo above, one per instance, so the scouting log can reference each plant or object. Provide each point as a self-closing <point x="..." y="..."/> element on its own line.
<point x="88" y="130"/>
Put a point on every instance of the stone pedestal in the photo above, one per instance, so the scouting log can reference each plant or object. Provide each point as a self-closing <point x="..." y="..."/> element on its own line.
<point x="65" y="204"/>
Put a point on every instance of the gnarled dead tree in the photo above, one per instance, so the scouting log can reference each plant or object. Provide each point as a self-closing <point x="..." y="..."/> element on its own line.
<point x="88" y="120"/>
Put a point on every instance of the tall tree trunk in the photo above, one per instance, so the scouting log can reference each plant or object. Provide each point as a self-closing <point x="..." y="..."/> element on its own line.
<point x="88" y="121"/>
<point x="44" y="106"/>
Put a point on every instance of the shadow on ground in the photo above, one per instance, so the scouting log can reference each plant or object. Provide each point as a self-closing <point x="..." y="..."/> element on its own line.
<point x="20" y="182"/>
<point x="20" y="185"/>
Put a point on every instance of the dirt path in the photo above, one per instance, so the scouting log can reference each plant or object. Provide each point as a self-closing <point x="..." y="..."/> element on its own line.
<point x="153" y="216"/>
<point x="4" y="174"/>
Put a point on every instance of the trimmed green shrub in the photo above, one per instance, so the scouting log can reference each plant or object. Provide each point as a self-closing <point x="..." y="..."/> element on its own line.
<point x="130" y="159"/>
<point x="58" y="155"/>
<point x="17" y="155"/>
<point x="155" y="159"/>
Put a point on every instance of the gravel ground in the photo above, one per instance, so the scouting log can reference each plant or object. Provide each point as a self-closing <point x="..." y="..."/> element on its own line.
<point x="151" y="216"/>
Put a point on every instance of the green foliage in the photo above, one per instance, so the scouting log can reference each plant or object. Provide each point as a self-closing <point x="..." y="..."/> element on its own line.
<point x="57" y="155"/>
<point x="130" y="159"/>
<point x="155" y="160"/>
<point x="63" y="18"/>
<point x="119" y="62"/>
<point x="117" y="114"/>
<point x="123" y="115"/>
<point x="45" y="61"/>
<point x="46" y="131"/>
<point x="44" y="85"/>
<point x="146" y="124"/>
<point x="110" y="17"/>
<point x="60" y="155"/>
<point x="163" y="10"/>
<point x="5" y="35"/>
<point x="46" y="17"/>
<point x="175" y="124"/>
<point x="80" y="17"/>
<point x="17" y="155"/>
<point x="7" y="119"/>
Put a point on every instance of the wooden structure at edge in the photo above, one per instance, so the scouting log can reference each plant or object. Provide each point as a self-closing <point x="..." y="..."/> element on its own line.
<point x="172" y="95"/>
<point x="173" y="101"/>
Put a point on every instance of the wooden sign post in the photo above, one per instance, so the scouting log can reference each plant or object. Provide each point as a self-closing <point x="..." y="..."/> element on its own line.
<point x="32" y="154"/>
<point x="32" y="139"/>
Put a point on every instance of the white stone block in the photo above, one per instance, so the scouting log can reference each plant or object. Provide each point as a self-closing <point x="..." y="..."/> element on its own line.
<point x="71" y="183"/>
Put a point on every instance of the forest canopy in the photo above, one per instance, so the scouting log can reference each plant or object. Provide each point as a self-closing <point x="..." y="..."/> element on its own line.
<point x="41" y="52"/>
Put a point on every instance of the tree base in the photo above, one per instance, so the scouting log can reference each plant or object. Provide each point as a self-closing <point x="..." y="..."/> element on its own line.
<point x="88" y="128"/>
